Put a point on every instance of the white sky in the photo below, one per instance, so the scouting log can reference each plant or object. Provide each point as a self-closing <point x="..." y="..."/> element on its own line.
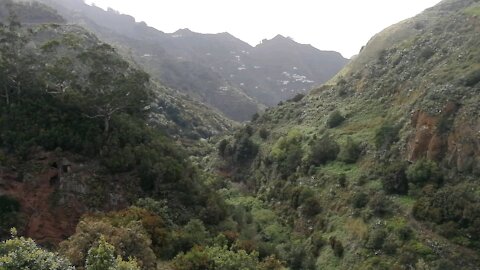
<point x="339" y="25"/>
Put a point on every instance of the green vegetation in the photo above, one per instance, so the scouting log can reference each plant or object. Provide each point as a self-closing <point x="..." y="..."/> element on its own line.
<point x="22" y="253"/>
<point x="335" y="119"/>
<point x="394" y="187"/>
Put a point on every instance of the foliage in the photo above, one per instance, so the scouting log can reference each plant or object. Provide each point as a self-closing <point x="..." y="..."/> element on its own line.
<point x="472" y="78"/>
<point x="350" y="151"/>
<point x="336" y="246"/>
<point x="455" y="209"/>
<point x="360" y="200"/>
<point x="101" y="257"/>
<point x="245" y="150"/>
<point x="386" y="135"/>
<point x="216" y="257"/>
<point x="323" y="150"/>
<point x="222" y="146"/>
<point x="263" y="133"/>
<point x="380" y="204"/>
<point x="335" y="119"/>
<point x="394" y="179"/>
<point x="297" y="97"/>
<point x="288" y="153"/>
<point x="424" y="171"/>
<point x="129" y="237"/>
<point x="22" y="253"/>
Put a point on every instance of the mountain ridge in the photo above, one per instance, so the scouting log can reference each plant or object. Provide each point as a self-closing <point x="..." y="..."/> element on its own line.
<point x="229" y="79"/>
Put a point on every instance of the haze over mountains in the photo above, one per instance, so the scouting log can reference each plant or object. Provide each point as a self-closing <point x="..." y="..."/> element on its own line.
<point x="217" y="69"/>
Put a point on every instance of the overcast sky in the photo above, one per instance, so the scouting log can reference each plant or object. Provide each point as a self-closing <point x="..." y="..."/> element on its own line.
<point x="339" y="25"/>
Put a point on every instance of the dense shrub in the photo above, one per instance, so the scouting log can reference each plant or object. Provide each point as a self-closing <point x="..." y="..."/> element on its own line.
<point x="288" y="153"/>
<point x="335" y="119"/>
<point x="379" y="204"/>
<point x="297" y="97"/>
<point x="221" y="147"/>
<point x="245" y="150"/>
<point x="132" y="233"/>
<point x="337" y="246"/>
<point x="424" y="171"/>
<point x="350" y="151"/>
<point x="22" y="253"/>
<point x="386" y="135"/>
<point x="360" y="200"/>
<point x="472" y="78"/>
<point x="323" y="150"/>
<point x="376" y="238"/>
<point x="311" y="207"/>
<point x="394" y="179"/>
<point x="456" y="208"/>
<point x="263" y="133"/>
<point x="216" y="257"/>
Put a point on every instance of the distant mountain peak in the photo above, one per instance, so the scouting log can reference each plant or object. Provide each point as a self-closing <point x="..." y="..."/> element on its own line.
<point x="279" y="39"/>
<point x="184" y="31"/>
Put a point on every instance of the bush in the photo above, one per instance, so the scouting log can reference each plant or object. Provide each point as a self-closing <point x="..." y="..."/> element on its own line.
<point x="472" y="78"/>
<point x="386" y="135"/>
<point x="323" y="150"/>
<point x="288" y="153"/>
<point x="405" y="233"/>
<point x="297" y="98"/>
<point x="350" y="151"/>
<point x="342" y="180"/>
<point x="22" y="253"/>
<point x="221" y="147"/>
<point x="335" y="119"/>
<point x="216" y="258"/>
<point x="360" y="200"/>
<point x="102" y="256"/>
<point x="311" y="207"/>
<point x="379" y="204"/>
<point x="263" y="133"/>
<point x="424" y="171"/>
<point x="336" y="246"/>
<point x="376" y="238"/>
<point x="394" y="179"/>
<point x="245" y="150"/>
<point x="455" y="208"/>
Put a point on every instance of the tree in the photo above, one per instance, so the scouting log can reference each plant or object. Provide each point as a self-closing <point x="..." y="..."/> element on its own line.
<point x="113" y="86"/>
<point x="22" y="253"/>
<point x="12" y="41"/>
<point x="101" y="257"/>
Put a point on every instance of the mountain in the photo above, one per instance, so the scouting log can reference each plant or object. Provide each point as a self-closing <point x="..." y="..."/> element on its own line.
<point x="217" y="69"/>
<point x="379" y="168"/>
<point x="84" y="130"/>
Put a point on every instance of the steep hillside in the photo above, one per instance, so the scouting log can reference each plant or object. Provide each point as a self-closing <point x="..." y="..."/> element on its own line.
<point x="217" y="69"/>
<point x="87" y="168"/>
<point x="82" y="130"/>
<point x="379" y="169"/>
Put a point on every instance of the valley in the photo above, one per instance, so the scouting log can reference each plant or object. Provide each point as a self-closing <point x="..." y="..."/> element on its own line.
<point x="119" y="153"/>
